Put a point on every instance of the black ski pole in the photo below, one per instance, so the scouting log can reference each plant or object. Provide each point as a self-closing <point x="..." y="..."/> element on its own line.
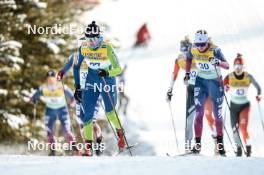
<point x="34" y="118"/>
<point x="113" y="106"/>
<point x="236" y="128"/>
<point x="174" y="129"/>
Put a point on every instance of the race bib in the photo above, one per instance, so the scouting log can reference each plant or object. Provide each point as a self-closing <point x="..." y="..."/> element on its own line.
<point x="204" y="66"/>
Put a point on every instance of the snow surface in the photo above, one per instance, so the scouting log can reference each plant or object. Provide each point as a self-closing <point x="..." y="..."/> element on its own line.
<point x="42" y="165"/>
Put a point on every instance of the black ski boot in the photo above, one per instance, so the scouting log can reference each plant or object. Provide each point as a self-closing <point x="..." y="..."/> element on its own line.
<point x="197" y="146"/>
<point x="220" y="145"/>
<point x="239" y="151"/>
<point x="248" y="148"/>
<point x="98" y="151"/>
<point x="52" y="152"/>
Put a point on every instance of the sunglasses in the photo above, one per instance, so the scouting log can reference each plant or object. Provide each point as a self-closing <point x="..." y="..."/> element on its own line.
<point x="94" y="39"/>
<point x="200" y="44"/>
<point x="238" y="66"/>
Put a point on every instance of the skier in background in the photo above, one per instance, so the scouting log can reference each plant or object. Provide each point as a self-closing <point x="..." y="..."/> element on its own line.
<point x="237" y="83"/>
<point x="208" y="59"/>
<point x="185" y="44"/>
<point x="123" y="98"/>
<point x="180" y="63"/>
<point x="79" y="107"/>
<point x="143" y="36"/>
<point x="56" y="106"/>
<point x="103" y="67"/>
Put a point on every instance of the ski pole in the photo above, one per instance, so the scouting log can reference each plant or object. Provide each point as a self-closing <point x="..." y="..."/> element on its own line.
<point x="174" y="130"/>
<point x="34" y="117"/>
<point x="113" y="107"/>
<point x="261" y="116"/>
<point x="236" y="128"/>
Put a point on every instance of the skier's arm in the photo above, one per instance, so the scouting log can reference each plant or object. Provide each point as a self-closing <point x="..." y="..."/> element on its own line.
<point x="68" y="65"/>
<point x="255" y="83"/>
<point x="226" y="83"/>
<point x="174" y="74"/>
<point x="68" y="92"/>
<point x="189" y="58"/>
<point x="115" y="69"/>
<point x="37" y="95"/>
<point x="219" y="55"/>
<point x="76" y="70"/>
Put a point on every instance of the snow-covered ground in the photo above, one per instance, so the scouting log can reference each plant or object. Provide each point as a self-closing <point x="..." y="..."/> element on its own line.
<point x="41" y="165"/>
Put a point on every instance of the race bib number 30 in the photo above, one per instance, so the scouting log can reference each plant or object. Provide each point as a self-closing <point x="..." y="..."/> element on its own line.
<point x="204" y="66"/>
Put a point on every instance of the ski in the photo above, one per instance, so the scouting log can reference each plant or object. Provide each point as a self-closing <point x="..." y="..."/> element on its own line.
<point x="126" y="149"/>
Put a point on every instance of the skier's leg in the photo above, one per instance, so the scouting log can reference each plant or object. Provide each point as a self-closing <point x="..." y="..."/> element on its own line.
<point x="64" y="118"/>
<point x="50" y="119"/>
<point x="90" y="97"/>
<point x="243" y="125"/>
<point x="110" y="99"/>
<point x="200" y="95"/>
<point x="216" y="91"/>
<point x="209" y="115"/>
<point x="190" y="114"/>
<point x="234" y="119"/>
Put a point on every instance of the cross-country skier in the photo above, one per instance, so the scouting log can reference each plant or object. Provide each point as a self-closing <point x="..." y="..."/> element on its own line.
<point x="56" y="106"/>
<point x="180" y="63"/>
<point x="185" y="44"/>
<point x="237" y="83"/>
<point x="103" y="66"/>
<point x="79" y="108"/>
<point x="208" y="59"/>
<point x="143" y="36"/>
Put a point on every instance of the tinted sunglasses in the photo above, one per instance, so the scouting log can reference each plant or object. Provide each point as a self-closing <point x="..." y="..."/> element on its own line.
<point x="200" y="44"/>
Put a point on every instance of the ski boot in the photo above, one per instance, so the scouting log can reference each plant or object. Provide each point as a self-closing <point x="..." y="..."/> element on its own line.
<point x="52" y="152"/>
<point x="248" y="149"/>
<point x="239" y="151"/>
<point x="197" y="146"/>
<point x="121" y="140"/>
<point x="216" y="152"/>
<point x="88" y="148"/>
<point x="98" y="151"/>
<point x="220" y="145"/>
<point x="74" y="151"/>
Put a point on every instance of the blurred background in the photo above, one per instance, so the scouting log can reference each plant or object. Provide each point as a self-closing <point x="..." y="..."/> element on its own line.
<point x="235" y="26"/>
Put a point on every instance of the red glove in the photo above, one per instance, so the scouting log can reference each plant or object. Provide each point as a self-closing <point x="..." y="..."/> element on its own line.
<point x="227" y="88"/>
<point x="60" y="75"/>
<point x="258" y="98"/>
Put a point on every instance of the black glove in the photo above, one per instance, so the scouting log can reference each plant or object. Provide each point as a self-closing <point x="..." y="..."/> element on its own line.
<point x="102" y="73"/>
<point x="78" y="94"/>
<point x="169" y="94"/>
<point x="186" y="78"/>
